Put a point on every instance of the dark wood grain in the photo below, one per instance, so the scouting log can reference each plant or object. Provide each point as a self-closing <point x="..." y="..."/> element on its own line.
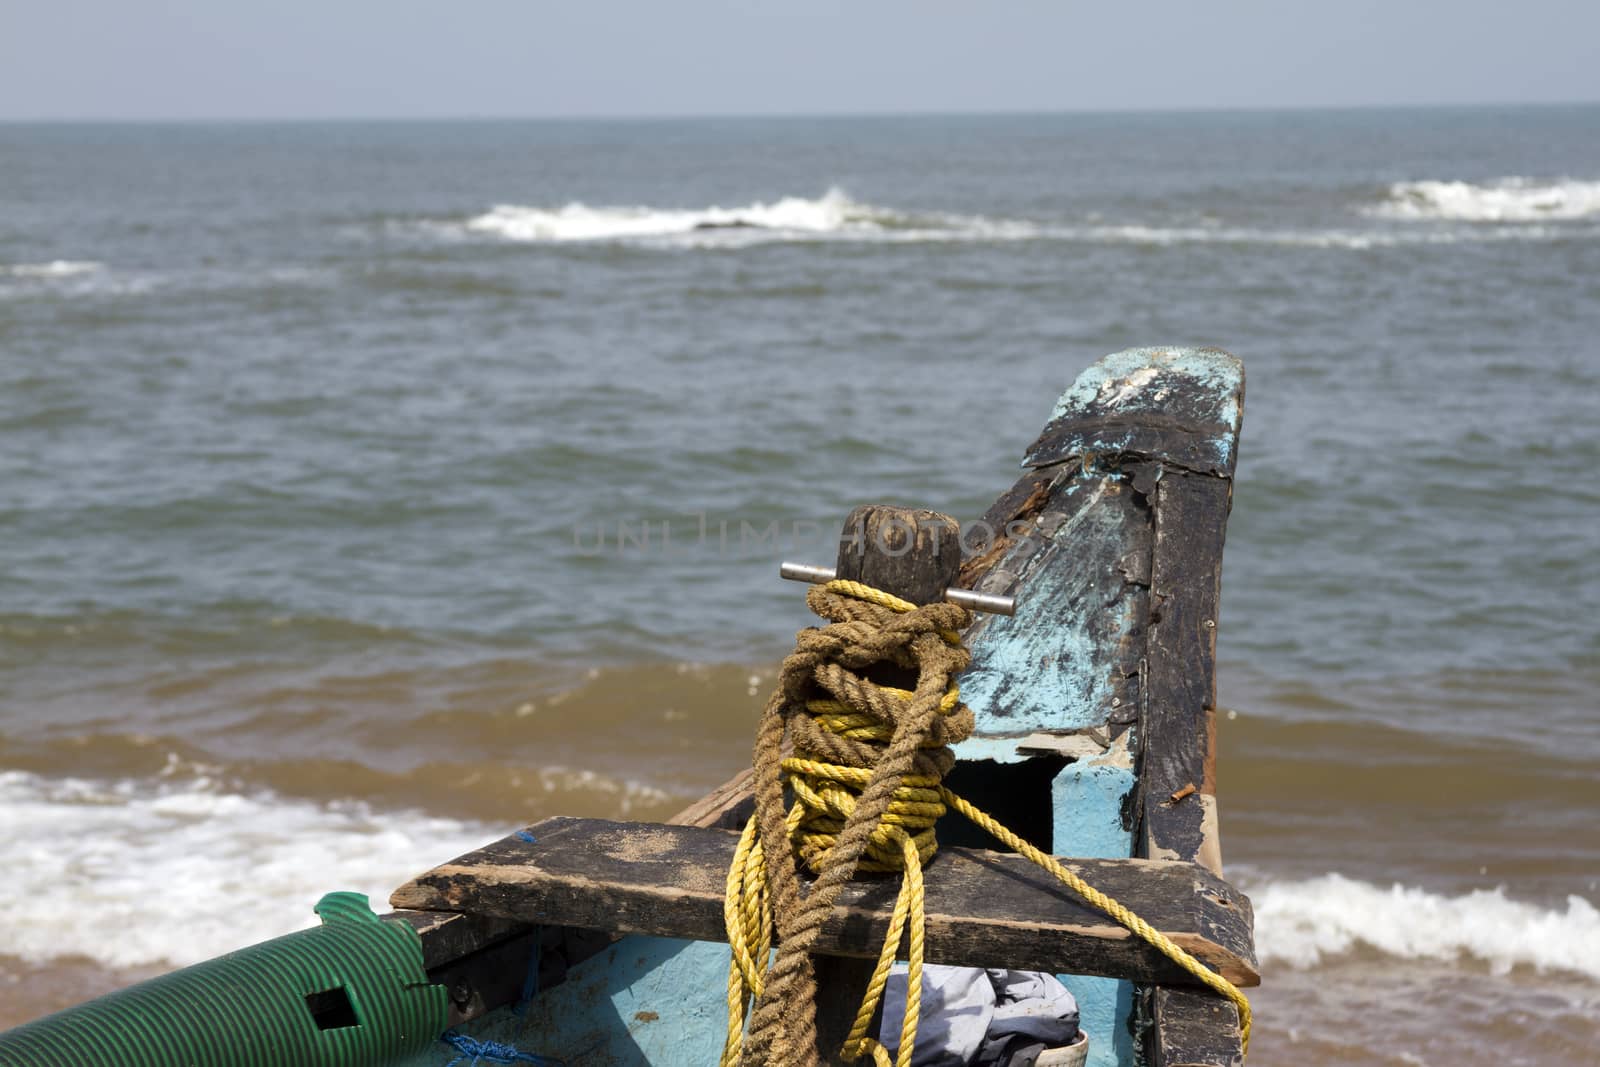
<point x="983" y="908"/>
<point x="912" y="553"/>
<point x="1174" y="440"/>
<point x="1194" y="1030"/>
<point x="1179" y="728"/>
<point x="1190" y="495"/>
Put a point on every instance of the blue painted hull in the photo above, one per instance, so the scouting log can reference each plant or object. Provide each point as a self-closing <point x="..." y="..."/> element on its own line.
<point x="1066" y="680"/>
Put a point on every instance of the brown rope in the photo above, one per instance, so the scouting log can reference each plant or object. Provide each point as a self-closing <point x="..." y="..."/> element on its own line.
<point x="830" y="662"/>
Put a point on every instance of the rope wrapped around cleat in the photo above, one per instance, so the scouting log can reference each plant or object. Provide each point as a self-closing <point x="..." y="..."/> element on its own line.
<point x="865" y="769"/>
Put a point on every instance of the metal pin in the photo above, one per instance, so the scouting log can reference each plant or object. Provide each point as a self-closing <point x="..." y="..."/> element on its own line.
<point x="970" y="599"/>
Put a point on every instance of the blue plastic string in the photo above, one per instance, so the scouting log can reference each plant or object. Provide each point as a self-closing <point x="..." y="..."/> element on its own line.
<point x="490" y="1052"/>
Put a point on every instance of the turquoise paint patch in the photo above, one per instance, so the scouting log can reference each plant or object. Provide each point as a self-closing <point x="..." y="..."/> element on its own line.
<point x="1087" y="799"/>
<point x="998" y="749"/>
<point x="1216" y="370"/>
<point x="1104" y="1007"/>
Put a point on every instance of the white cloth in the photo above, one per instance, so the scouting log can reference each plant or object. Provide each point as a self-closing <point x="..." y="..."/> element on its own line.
<point x="972" y="1016"/>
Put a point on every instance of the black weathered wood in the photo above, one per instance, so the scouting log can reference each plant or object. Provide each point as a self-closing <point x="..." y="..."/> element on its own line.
<point x="912" y="553"/>
<point x="1146" y="436"/>
<point x="1190" y="491"/>
<point x="1194" y="1030"/>
<point x="983" y="908"/>
<point x="728" y="807"/>
<point x="446" y="937"/>
<point x="1179" y="724"/>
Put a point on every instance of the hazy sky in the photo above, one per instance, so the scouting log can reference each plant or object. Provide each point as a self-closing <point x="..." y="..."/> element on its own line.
<point x="397" y="58"/>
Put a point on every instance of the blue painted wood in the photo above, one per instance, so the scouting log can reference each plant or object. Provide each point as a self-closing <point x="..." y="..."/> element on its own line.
<point x="1088" y="798"/>
<point x="644" y="1000"/>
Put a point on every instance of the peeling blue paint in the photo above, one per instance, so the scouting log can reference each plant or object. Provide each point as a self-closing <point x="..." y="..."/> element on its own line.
<point x="1048" y="667"/>
<point x="1211" y="367"/>
<point x="1140" y="380"/>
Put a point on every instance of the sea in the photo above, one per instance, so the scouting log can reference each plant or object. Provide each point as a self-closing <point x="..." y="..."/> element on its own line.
<point x="370" y="489"/>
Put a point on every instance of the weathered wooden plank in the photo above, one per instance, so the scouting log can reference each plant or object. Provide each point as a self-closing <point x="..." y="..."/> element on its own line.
<point x="1189" y="486"/>
<point x="983" y="908"/>
<point x="1178" y="728"/>
<point x="447" y="937"/>
<point x="1178" y="783"/>
<point x="1194" y="1030"/>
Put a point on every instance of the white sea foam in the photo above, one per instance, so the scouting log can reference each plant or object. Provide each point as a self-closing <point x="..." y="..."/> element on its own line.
<point x="1341" y="239"/>
<point x="832" y="216"/>
<point x="1303" y="923"/>
<point x="1505" y="200"/>
<point x="56" y="268"/>
<point x="836" y="217"/>
<point x="84" y="859"/>
<point x="579" y="222"/>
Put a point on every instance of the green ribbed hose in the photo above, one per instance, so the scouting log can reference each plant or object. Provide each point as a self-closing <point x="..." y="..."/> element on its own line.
<point x="349" y="993"/>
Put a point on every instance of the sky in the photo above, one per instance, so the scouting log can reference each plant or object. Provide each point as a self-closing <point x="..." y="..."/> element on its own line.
<point x="216" y="59"/>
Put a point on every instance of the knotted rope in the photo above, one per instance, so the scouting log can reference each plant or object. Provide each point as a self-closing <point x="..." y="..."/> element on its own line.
<point x="865" y="769"/>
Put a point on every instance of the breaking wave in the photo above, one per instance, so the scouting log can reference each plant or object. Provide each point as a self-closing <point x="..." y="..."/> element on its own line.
<point x="239" y="865"/>
<point x="1512" y="199"/>
<point x="834" y="215"/>
<point x="1305" y="922"/>
<point x="829" y="213"/>
<point x="230" y="868"/>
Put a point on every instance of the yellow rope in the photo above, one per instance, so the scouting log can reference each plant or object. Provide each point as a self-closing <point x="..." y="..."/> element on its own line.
<point x="825" y="795"/>
<point x="1174" y="952"/>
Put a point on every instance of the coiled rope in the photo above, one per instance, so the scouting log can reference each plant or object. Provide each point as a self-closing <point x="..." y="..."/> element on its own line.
<point x="866" y="771"/>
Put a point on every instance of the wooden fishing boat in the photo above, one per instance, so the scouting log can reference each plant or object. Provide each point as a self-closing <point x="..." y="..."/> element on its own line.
<point x="593" y="942"/>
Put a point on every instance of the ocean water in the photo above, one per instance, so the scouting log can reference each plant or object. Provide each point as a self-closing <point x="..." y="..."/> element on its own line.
<point x="369" y="489"/>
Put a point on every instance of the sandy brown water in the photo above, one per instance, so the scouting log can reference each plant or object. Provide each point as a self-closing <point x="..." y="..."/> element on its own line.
<point x="503" y="744"/>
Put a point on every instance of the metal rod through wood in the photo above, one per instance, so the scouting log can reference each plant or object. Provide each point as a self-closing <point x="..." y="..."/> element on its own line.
<point x="970" y="599"/>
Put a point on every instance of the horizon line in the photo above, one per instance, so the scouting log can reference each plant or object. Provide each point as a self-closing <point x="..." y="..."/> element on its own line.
<point x="793" y="115"/>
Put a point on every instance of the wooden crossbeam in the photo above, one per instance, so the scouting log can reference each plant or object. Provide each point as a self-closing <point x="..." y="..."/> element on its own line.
<point x="983" y="908"/>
